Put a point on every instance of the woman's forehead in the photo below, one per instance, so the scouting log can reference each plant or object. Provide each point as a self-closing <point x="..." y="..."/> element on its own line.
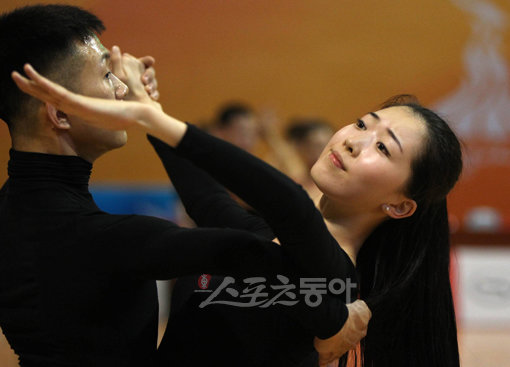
<point x="408" y="127"/>
<point x="401" y="117"/>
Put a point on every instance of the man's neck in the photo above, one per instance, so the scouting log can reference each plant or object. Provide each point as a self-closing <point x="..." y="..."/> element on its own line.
<point x="60" y="144"/>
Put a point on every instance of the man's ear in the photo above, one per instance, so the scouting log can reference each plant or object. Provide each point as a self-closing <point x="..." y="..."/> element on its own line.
<point x="58" y="118"/>
<point x="404" y="209"/>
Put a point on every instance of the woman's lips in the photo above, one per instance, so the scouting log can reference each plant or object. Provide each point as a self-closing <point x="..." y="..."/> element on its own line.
<point x="336" y="159"/>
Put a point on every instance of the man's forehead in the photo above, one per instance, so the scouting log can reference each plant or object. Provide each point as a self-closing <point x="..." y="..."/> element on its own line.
<point x="95" y="43"/>
<point x="92" y="51"/>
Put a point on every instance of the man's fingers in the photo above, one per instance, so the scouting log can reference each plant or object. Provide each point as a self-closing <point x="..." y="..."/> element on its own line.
<point x="155" y="95"/>
<point x="148" y="61"/>
<point x="324" y="359"/>
<point x="363" y="313"/>
<point x="116" y="58"/>
<point x="149" y="75"/>
<point x="367" y="312"/>
<point x="151" y="83"/>
<point x="333" y="363"/>
<point x="151" y="86"/>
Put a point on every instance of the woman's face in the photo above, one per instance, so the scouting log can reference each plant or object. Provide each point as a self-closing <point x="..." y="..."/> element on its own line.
<point x="367" y="164"/>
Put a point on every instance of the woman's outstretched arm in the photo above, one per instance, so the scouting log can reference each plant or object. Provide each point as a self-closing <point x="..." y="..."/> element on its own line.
<point x="206" y="201"/>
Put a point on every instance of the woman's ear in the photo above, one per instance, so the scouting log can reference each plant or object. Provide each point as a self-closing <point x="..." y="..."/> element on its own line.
<point x="404" y="209"/>
<point x="58" y="118"/>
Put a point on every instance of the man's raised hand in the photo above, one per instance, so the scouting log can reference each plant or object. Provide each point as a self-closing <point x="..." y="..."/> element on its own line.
<point x="138" y="74"/>
<point x="354" y="329"/>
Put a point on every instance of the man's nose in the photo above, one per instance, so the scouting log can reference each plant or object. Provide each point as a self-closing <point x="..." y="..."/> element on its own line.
<point x="121" y="89"/>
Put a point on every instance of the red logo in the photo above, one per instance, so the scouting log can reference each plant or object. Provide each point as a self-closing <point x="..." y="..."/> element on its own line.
<point x="203" y="281"/>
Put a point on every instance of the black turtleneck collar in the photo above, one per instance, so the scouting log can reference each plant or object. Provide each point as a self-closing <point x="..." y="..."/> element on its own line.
<point x="32" y="167"/>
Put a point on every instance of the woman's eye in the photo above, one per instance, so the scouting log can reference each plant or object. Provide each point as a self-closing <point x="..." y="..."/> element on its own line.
<point x="361" y="125"/>
<point x="383" y="148"/>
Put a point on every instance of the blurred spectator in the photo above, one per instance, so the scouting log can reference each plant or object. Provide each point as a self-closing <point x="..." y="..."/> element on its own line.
<point x="308" y="136"/>
<point x="237" y="124"/>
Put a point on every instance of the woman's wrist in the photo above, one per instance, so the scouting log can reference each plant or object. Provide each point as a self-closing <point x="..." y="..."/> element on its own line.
<point x="155" y="122"/>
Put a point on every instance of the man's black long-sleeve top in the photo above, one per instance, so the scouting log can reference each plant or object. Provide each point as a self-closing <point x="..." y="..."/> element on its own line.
<point x="77" y="284"/>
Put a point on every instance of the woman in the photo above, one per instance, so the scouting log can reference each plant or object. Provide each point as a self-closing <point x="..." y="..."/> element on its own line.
<point x="378" y="205"/>
<point x="384" y="181"/>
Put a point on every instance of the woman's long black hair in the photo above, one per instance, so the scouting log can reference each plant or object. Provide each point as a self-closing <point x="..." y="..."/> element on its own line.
<point x="403" y="265"/>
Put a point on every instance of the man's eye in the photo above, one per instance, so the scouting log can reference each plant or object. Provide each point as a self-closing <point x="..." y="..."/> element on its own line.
<point x="361" y="125"/>
<point x="108" y="74"/>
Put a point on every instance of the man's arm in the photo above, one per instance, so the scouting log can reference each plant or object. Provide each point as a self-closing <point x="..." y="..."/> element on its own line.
<point x="141" y="247"/>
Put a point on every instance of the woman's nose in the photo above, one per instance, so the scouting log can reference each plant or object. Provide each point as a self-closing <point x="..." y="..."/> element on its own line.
<point x="355" y="145"/>
<point x="352" y="146"/>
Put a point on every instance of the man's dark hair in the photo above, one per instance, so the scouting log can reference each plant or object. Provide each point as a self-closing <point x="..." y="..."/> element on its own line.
<point x="44" y="36"/>
<point x="229" y="112"/>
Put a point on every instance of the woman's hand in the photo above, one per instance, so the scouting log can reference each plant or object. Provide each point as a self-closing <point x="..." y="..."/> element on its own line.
<point x="104" y="113"/>
<point x="354" y="329"/>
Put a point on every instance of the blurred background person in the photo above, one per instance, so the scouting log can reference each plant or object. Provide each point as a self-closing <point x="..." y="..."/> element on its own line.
<point x="236" y="123"/>
<point x="308" y="137"/>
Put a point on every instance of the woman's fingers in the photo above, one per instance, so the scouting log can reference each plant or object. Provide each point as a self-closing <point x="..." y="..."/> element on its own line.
<point x="46" y="86"/>
<point x="23" y="83"/>
<point x="104" y="113"/>
<point x="44" y="89"/>
<point x="47" y="91"/>
<point x="32" y="88"/>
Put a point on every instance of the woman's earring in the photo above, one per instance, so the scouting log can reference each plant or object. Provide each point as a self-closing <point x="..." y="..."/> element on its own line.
<point x="386" y="207"/>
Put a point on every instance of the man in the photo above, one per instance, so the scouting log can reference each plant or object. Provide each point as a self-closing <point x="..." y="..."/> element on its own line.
<point x="77" y="285"/>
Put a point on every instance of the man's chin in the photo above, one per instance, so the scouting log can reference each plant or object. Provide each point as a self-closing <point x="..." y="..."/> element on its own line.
<point x="120" y="139"/>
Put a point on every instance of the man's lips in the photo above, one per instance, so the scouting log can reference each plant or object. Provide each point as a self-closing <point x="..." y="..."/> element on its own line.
<point x="336" y="159"/>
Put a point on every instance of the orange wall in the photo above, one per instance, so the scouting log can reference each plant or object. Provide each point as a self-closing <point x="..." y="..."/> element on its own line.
<point x="337" y="59"/>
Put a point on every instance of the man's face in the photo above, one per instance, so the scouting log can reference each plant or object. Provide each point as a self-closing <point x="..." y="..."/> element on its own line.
<point x="95" y="79"/>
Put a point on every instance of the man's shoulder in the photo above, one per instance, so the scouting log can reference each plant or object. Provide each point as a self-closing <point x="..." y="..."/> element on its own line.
<point x="3" y="190"/>
<point x="128" y="226"/>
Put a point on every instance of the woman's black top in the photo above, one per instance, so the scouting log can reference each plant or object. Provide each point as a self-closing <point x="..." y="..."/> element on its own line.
<point x="222" y="334"/>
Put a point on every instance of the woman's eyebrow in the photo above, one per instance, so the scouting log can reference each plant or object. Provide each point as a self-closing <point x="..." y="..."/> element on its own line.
<point x="392" y="134"/>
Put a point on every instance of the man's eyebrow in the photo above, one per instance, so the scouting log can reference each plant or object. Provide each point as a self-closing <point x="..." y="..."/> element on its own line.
<point x="392" y="134"/>
<point x="105" y="57"/>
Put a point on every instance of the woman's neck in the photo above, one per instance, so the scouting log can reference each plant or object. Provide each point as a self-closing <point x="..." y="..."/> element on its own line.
<point x="350" y="229"/>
